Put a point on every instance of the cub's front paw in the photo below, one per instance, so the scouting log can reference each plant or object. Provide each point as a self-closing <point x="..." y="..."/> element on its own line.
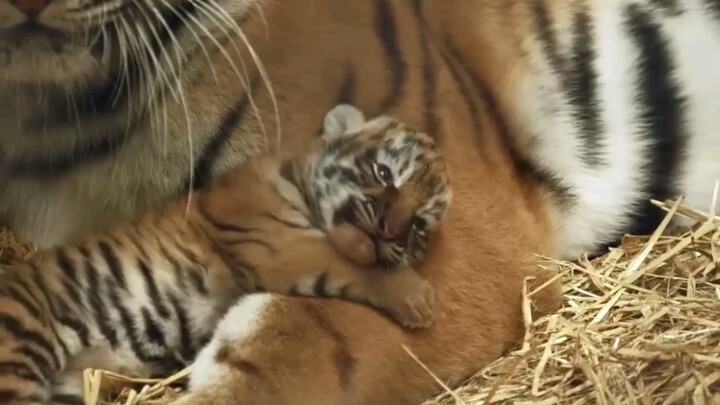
<point x="352" y="243"/>
<point x="410" y="301"/>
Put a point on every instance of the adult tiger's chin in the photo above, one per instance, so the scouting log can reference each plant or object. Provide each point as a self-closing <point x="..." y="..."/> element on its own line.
<point x="38" y="46"/>
<point x="71" y="67"/>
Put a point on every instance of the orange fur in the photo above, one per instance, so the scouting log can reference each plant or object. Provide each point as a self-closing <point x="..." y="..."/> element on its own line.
<point x="308" y="351"/>
<point x="255" y="229"/>
<point x="500" y="218"/>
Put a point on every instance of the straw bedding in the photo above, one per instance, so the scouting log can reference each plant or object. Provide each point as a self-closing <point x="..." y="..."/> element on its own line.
<point x="640" y="325"/>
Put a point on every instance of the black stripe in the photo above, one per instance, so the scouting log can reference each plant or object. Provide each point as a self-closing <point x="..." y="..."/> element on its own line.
<point x="28" y="288"/>
<point x="16" y="328"/>
<point x="64" y="317"/>
<point x="174" y="19"/>
<point x="178" y="273"/>
<point x="38" y="278"/>
<point x="113" y="263"/>
<point x="577" y="76"/>
<point x="114" y="239"/>
<point x="286" y="223"/>
<point x="582" y="88"/>
<point x="346" y="94"/>
<point x="7" y="396"/>
<point x="464" y="85"/>
<point x="128" y="325"/>
<point x="561" y="193"/>
<point x="714" y="7"/>
<point x="244" y="272"/>
<point x="153" y="332"/>
<point x="134" y="236"/>
<point x="98" y="305"/>
<point x="69" y="116"/>
<point x="198" y="282"/>
<point x="547" y="35"/>
<point x="66" y="265"/>
<point x="21" y="370"/>
<point x="218" y="224"/>
<point x="670" y="7"/>
<point x="186" y="347"/>
<point x="428" y="73"/>
<point x="661" y="117"/>
<point x="289" y="172"/>
<point x="70" y="279"/>
<point x="386" y="30"/>
<point x="214" y="148"/>
<point x="344" y="292"/>
<point x="21" y="299"/>
<point x="38" y="359"/>
<point x="186" y="253"/>
<point x="67" y="399"/>
<point x="320" y="286"/>
<point x="84" y="252"/>
<point x="345" y="362"/>
<point x="252" y="241"/>
<point x="61" y="311"/>
<point x="152" y="289"/>
<point x="88" y="149"/>
<point x="234" y="264"/>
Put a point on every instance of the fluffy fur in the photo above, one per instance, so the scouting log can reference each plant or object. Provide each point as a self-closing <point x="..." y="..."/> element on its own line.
<point x="269" y="225"/>
<point x="559" y="119"/>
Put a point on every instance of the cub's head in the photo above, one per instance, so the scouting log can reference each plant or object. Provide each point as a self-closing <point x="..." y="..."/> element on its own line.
<point x="378" y="187"/>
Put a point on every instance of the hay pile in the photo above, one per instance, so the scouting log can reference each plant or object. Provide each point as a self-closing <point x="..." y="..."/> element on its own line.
<point x="641" y="325"/>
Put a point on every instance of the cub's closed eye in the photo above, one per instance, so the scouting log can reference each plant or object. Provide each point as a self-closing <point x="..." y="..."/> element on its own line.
<point x="383" y="174"/>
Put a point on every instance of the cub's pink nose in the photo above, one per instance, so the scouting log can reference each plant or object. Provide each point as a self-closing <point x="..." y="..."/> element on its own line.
<point x="385" y="231"/>
<point x="31" y="6"/>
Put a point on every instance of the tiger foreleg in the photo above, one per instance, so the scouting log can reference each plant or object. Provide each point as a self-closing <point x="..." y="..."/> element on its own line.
<point x="316" y="269"/>
<point x="352" y="244"/>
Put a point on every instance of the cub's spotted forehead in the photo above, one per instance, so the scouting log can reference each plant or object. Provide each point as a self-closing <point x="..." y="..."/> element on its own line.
<point x="386" y="137"/>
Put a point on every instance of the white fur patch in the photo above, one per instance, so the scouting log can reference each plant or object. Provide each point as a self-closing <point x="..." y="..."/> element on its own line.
<point x="694" y="39"/>
<point x="606" y="193"/>
<point x="240" y="322"/>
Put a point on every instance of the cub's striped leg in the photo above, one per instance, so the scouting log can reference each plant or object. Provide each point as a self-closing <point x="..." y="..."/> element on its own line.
<point x="146" y="291"/>
<point x="402" y="294"/>
<point x="309" y="265"/>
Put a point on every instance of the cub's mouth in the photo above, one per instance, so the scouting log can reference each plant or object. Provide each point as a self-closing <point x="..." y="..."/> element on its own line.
<point x="361" y="233"/>
<point x="378" y="231"/>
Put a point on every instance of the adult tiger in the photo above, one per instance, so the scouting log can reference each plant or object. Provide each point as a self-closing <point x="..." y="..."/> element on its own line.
<point x="559" y="119"/>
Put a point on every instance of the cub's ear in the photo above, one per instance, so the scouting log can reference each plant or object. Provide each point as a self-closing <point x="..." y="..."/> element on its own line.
<point x="341" y="120"/>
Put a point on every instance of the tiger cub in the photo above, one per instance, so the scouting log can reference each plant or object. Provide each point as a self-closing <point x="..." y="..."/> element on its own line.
<point x="347" y="218"/>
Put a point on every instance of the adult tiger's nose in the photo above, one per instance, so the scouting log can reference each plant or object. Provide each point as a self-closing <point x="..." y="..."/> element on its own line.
<point x="31" y="7"/>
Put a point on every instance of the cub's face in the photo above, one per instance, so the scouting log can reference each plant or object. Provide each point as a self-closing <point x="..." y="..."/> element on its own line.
<point x="381" y="183"/>
<point x="80" y="42"/>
